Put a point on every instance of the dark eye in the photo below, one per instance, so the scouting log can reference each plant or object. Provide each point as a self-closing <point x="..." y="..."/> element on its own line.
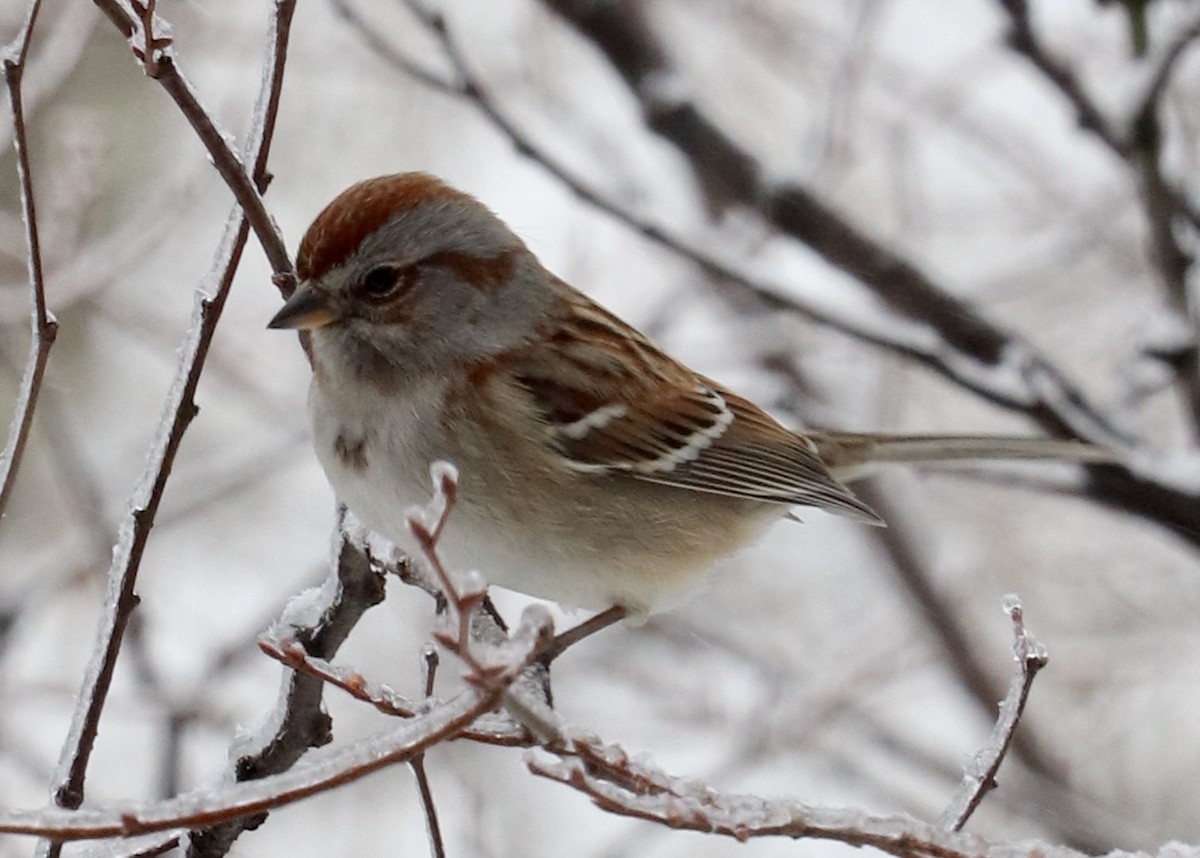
<point x="383" y="281"/>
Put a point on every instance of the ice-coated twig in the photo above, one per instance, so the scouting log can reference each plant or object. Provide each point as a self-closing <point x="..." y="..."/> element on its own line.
<point x="433" y="828"/>
<point x="979" y="777"/>
<point x="494" y="729"/>
<point x="43" y="326"/>
<point x="490" y="663"/>
<point x="137" y="24"/>
<point x="178" y="411"/>
<point x="314" y="625"/>
<point x="619" y="785"/>
<point x="325" y="770"/>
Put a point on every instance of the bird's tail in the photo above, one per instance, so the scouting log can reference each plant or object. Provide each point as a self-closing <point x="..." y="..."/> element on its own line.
<point x="851" y="455"/>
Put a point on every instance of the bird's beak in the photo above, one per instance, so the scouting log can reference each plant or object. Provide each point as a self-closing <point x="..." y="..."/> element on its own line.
<point x="308" y="308"/>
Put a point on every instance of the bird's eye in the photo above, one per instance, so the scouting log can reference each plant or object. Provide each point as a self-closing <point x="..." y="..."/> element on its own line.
<point x="383" y="281"/>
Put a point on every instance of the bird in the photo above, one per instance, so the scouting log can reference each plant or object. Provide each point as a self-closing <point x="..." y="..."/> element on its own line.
<point x="596" y="470"/>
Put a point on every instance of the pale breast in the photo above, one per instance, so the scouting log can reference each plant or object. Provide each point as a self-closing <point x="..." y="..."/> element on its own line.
<point x="375" y="451"/>
<point x="523" y="521"/>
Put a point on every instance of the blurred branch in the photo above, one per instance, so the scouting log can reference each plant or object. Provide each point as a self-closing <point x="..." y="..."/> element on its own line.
<point x="1178" y="48"/>
<point x="967" y="350"/>
<point x="980" y="776"/>
<point x="44" y="327"/>
<point x="1024" y="40"/>
<point x="179" y="410"/>
<point x="1166" y="207"/>
<point x="624" y="38"/>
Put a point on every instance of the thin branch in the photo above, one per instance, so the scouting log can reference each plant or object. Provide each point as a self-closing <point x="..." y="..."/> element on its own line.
<point x="489" y="730"/>
<point x="159" y="63"/>
<point x="942" y="620"/>
<point x="300" y="722"/>
<point x="619" y="784"/>
<point x="1178" y="48"/>
<point x="1023" y="40"/>
<point x="43" y="326"/>
<point x="437" y="848"/>
<point x="208" y="807"/>
<point x="384" y="49"/>
<point x="979" y="778"/>
<point x="179" y="410"/>
<point x="585" y="629"/>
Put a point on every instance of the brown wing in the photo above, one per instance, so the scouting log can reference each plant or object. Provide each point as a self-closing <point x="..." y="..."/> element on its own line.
<point x="616" y="404"/>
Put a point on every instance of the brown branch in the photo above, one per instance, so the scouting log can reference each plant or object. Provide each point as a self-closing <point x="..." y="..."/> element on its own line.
<point x="159" y="64"/>
<point x="617" y="784"/>
<point x="43" y="326"/>
<point x="490" y="730"/>
<point x="208" y="806"/>
<point x="1023" y="40"/>
<point x="433" y="828"/>
<point x="301" y="721"/>
<point x="980" y="776"/>
<point x="179" y="410"/>
<point x="437" y="848"/>
<point x="1140" y="147"/>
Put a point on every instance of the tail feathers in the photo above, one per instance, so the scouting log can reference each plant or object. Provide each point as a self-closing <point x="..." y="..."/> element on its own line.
<point x="850" y="455"/>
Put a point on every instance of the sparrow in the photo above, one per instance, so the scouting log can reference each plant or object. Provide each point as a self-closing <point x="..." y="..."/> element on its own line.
<point x="596" y="470"/>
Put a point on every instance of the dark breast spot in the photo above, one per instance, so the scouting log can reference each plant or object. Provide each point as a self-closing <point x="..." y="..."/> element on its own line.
<point x="351" y="452"/>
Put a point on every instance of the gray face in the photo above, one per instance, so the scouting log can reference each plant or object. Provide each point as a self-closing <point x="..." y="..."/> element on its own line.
<point x="441" y="283"/>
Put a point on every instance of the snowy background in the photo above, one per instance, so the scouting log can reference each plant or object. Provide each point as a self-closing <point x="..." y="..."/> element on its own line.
<point x="802" y="667"/>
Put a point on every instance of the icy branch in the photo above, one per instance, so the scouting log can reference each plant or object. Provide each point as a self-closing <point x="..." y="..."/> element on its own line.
<point x="980" y="776"/>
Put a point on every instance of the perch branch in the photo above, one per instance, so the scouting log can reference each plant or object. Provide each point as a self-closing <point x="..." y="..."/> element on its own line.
<point x="979" y="778"/>
<point x="43" y="325"/>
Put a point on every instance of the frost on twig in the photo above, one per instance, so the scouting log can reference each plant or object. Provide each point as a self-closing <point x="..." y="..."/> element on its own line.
<point x="315" y="621"/>
<point x="979" y="777"/>
<point x="42" y="322"/>
<point x="623" y="786"/>
<point x="488" y="663"/>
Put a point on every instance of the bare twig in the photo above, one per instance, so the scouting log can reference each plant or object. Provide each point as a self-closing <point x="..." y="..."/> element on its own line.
<point x="617" y="784"/>
<point x="490" y="730"/>
<point x="436" y="847"/>
<point x="178" y="412"/>
<point x="586" y="629"/>
<point x="1184" y="39"/>
<point x="208" y="807"/>
<point x="979" y="778"/>
<point x="158" y="62"/>
<point x="1024" y="40"/>
<point x="43" y="325"/>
